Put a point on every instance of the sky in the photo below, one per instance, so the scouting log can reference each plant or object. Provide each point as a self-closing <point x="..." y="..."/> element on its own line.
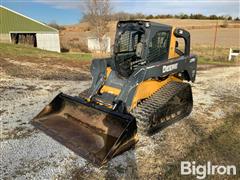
<point x="69" y="12"/>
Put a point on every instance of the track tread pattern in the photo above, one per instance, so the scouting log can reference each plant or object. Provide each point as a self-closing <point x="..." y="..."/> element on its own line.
<point x="152" y="111"/>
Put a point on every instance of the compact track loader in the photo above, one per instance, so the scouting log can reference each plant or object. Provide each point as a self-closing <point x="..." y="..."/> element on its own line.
<point x="141" y="87"/>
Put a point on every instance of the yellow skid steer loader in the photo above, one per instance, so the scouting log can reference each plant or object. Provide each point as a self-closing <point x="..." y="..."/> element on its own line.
<point x="140" y="87"/>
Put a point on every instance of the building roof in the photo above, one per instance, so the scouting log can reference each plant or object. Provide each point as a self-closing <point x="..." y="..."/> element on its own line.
<point x="11" y="21"/>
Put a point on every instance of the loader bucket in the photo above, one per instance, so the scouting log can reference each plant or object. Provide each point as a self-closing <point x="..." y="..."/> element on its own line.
<point x="92" y="131"/>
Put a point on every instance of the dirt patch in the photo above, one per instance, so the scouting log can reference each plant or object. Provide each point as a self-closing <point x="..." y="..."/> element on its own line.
<point x="2" y="111"/>
<point x="18" y="133"/>
<point x="30" y="167"/>
<point x="79" y="173"/>
<point x="204" y="67"/>
<point x="46" y="73"/>
<point x="52" y="61"/>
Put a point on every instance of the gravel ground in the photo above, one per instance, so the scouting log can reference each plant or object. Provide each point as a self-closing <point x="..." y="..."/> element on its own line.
<point x="27" y="153"/>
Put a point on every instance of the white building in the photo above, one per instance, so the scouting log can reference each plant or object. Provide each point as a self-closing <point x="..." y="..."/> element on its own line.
<point x="19" y="29"/>
<point x="94" y="44"/>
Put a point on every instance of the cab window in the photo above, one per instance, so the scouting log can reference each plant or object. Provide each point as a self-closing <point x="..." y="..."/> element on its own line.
<point x="158" y="46"/>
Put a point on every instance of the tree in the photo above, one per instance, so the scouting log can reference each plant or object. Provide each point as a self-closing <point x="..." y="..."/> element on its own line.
<point x="213" y="17"/>
<point x="97" y="13"/>
<point x="229" y="18"/>
<point x="56" y="26"/>
<point x="236" y="19"/>
<point x="184" y="16"/>
<point x="150" y="16"/>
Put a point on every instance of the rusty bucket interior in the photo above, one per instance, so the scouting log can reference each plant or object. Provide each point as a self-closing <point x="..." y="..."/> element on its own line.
<point x="94" y="132"/>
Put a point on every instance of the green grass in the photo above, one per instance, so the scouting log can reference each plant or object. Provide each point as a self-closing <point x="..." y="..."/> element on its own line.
<point x="26" y="51"/>
<point x="204" y="60"/>
<point x="205" y="55"/>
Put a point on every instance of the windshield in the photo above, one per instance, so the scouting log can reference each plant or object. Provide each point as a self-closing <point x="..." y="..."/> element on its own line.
<point x="128" y="40"/>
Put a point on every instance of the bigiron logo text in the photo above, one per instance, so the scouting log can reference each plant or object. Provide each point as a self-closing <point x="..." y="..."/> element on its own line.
<point x="202" y="171"/>
<point x="168" y="68"/>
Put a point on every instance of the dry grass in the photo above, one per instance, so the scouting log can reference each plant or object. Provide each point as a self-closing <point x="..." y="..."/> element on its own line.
<point x="220" y="147"/>
<point x="18" y="133"/>
<point x="202" y="32"/>
<point x="195" y="23"/>
<point x="207" y="55"/>
<point x="226" y="37"/>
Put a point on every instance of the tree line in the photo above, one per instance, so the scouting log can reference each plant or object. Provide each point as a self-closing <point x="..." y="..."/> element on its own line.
<point x="129" y="16"/>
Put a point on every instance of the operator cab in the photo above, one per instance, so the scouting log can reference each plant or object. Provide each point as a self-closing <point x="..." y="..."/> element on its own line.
<point x="138" y="43"/>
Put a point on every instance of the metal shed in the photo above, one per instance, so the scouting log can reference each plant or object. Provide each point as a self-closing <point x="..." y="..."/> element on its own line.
<point x="19" y="29"/>
<point x="94" y="44"/>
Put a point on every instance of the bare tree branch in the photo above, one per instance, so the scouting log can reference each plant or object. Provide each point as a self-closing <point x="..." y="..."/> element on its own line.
<point x="97" y="13"/>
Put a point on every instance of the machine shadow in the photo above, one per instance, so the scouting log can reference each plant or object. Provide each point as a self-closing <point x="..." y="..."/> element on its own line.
<point x="126" y="165"/>
<point x="123" y="166"/>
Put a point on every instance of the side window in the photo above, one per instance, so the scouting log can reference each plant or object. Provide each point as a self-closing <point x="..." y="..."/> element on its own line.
<point x="180" y="46"/>
<point x="158" y="46"/>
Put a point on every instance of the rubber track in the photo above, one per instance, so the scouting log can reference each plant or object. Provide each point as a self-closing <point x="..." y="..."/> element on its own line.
<point x="161" y="106"/>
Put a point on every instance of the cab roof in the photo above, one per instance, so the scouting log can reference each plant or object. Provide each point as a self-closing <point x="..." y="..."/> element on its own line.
<point x="154" y="24"/>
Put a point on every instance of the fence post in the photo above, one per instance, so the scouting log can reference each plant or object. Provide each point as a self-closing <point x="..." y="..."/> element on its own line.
<point x="215" y="39"/>
<point x="230" y="54"/>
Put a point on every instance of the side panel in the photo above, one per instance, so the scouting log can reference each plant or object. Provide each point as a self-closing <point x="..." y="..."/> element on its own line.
<point x="186" y="64"/>
<point x="48" y="41"/>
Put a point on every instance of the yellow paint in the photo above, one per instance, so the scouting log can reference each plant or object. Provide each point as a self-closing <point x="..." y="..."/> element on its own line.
<point x="172" y="53"/>
<point x="111" y="90"/>
<point x="108" y="106"/>
<point x="108" y="71"/>
<point x="147" y="88"/>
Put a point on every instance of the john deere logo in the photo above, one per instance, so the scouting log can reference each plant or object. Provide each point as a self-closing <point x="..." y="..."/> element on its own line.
<point x="168" y="68"/>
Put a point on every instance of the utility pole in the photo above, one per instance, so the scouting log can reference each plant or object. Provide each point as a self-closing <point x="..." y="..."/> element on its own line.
<point x="215" y="39"/>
